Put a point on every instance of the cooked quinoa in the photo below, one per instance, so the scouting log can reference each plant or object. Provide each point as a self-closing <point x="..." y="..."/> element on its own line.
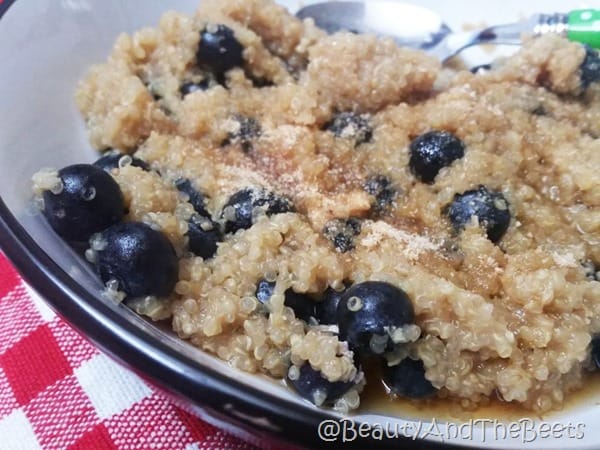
<point x="327" y="122"/>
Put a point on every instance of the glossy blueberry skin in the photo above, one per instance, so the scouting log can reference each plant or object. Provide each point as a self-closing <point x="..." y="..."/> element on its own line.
<point x="90" y="201"/>
<point x="384" y="306"/>
<point x="484" y="204"/>
<point x="590" y="68"/>
<point x="140" y="258"/>
<point x="311" y="381"/>
<point x="302" y="305"/>
<point x="246" y="200"/>
<point x="407" y="379"/>
<point x="219" y="51"/>
<point x="190" y="87"/>
<point x="351" y="125"/>
<point x="326" y="309"/>
<point x="432" y="151"/>
<point x="196" y="198"/>
<point x="203" y="242"/>
<point x="110" y="161"/>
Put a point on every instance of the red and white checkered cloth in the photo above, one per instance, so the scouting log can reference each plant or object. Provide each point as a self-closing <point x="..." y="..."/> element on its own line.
<point x="58" y="392"/>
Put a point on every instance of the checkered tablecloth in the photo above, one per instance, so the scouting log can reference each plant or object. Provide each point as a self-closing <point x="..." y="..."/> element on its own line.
<point x="58" y="392"/>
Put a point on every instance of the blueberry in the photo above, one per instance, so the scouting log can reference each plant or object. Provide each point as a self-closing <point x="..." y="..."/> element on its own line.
<point x="369" y="313"/>
<point x="326" y="309"/>
<point x="196" y="198"/>
<point x="595" y="350"/>
<point x="89" y="202"/>
<point x="432" y="151"/>
<point x="592" y="272"/>
<point x="350" y="125"/>
<point x="140" y="258"/>
<point x="312" y="386"/>
<point x="114" y="159"/>
<point x="219" y="50"/>
<point x="302" y="305"/>
<point x="407" y="379"/>
<point x="590" y="68"/>
<point x="264" y="290"/>
<point x="203" y="235"/>
<point x="490" y="208"/>
<point x="249" y="129"/>
<point x="240" y="211"/>
<point x="190" y="87"/>
<point x="381" y="188"/>
<point x="342" y="233"/>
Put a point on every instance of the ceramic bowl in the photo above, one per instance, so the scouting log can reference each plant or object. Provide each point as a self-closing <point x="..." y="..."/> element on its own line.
<point x="46" y="46"/>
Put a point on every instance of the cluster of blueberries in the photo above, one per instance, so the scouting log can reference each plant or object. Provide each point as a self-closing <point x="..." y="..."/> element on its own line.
<point x="144" y="262"/>
<point x="429" y="154"/>
<point x="366" y="312"/>
<point x="90" y="207"/>
<point x="219" y="51"/>
<point x="141" y="259"/>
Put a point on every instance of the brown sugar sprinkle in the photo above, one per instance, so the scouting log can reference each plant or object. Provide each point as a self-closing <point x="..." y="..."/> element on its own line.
<point x="512" y="320"/>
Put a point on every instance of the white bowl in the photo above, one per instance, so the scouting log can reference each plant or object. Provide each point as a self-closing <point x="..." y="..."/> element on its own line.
<point x="46" y="46"/>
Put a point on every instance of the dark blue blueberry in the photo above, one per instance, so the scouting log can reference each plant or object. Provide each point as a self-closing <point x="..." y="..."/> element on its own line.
<point x="203" y="235"/>
<point x="381" y="188"/>
<point x="190" y="87"/>
<point x="302" y="305"/>
<point x="89" y="202"/>
<point x="245" y="204"/>
<point x="341" y="232"/>
<point x="110" y="161"/>
<point x="219" y="50"/>
<point x="432" y="151"/>
<point x="490" y="208"/>
<point x="590" y="68"/>
<point x="326" y="309"/>
<point x="312" y="386"/>
<point x="350" y="125"/>
<point x="407" y="379"/>
<point x="196" y="198"/>
<point x="595" y="349"/>
<point x="264" y="291"/>
<point x="249" y="129"/>
<point x="592" y="272"/>
<point x="369" y="311"/>
<point x="140" y="258"/>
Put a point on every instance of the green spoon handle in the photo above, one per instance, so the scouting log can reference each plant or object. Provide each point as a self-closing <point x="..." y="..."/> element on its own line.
<point x="583" y="25"/>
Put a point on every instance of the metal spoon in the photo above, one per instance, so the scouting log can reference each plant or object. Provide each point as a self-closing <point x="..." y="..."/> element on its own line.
<point x="418" y="27"/>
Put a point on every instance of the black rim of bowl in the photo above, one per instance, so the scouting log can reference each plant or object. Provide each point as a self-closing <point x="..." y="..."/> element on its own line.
<point x="215" y="394"/>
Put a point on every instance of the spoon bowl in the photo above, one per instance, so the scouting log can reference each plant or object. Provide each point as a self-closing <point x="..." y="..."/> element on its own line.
<point x="421" y="28"/>
<point x="409" y="25"/>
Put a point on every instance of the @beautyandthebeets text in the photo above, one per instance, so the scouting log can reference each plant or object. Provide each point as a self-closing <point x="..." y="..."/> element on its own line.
<point x="476" y="430"/>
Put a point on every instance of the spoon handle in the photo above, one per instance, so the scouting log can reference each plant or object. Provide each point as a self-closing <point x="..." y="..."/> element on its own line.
<point x="583" y="25"/>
